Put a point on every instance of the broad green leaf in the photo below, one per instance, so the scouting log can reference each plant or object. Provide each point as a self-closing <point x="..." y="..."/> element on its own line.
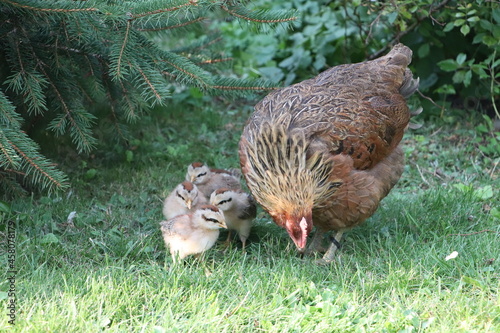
<point x="459" y="77"/>
<point x="448" y="65"/>
<point x="489" y="40"/>
<point x="480" y="70"/>
<point x="446" y="89"/>
<point x="423" y="51"/>
<point x="461" y="58"/>
<point x="465" y="29"/>
<point x="462" y="187"/>
<point x="496" y="14"/>
<point x="449" y="27"/>
<point x="49" y="238"/>
<point x="473" y="282"/>
<point x="484" y="193"/>
<point x="495" y="212"/>
<point x="90" y="174"/>
<point x="129" y="156"/>
<point x="467" y="78"/>
<point x="4" y="207"/>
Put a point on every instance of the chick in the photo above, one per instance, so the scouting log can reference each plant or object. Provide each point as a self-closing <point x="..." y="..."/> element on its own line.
<point x="209" y="180"/>
<point x="184" y="199"/>
<point x="239" y="210"/>
<point x="192" y="233"/>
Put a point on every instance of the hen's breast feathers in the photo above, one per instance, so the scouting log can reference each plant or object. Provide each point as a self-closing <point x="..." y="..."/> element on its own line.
<point x="357" y="109"/>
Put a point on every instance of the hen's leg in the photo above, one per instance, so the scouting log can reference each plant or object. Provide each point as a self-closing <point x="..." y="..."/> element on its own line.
<point x="334" y="246"/>
<point x="315" y="245"/>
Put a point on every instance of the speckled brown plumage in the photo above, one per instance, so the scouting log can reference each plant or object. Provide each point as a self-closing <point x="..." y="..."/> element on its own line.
<point x="324" y="152"/>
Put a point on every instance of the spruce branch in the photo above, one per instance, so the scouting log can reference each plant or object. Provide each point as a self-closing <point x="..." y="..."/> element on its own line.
<point x="150" y="84"/>
<point x="61" y="61"/>
<point x="8" y="115"/>
<point x="185" y="70"/>
<point x="259" y="16"/>
<point x="214" y="61"/>
<point x="173" y="26"/>
<point x="79" y="122"/>
<point x="30" y="164"/>
<point x="165" y="10"/>
<point x="36" y="166"/>
<point x="239" y="86"/>
<point x="10" y="186"/>
<point x="8" y="157"/>
<point x="122" y="51"/>
<point x="128" y="105"/>
<point x="24" y="5"/>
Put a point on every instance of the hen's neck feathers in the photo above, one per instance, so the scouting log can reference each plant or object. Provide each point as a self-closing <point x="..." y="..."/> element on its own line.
<point x="281" y="175"/>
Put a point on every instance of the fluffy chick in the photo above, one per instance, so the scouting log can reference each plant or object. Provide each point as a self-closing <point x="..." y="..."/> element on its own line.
<point x="209" y="180"/>
<point x="239" y="210"/>
<point x="192" y="233"/>
<point x="184" y="199"/>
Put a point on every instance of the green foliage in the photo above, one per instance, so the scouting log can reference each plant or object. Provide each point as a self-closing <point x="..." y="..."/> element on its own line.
<point x="455" y="45"/>
<point x="67" y="66"/>
<point x="488" y="139"/>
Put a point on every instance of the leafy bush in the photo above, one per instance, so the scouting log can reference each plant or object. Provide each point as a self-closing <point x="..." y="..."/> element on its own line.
<point x="455" y="45"/>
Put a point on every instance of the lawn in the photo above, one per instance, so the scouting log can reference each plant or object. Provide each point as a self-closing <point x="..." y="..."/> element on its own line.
<point x="106" y="268"/>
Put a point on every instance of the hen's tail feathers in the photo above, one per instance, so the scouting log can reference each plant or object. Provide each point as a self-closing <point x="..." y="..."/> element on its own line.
<point x="414" y="114"/>
<point x="410" y="85"/>
<point x="402" y="54"/>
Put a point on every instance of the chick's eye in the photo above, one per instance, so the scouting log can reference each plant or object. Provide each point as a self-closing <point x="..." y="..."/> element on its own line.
<point x="224" y="201"/>
<point x="180" y="196"/>
<point x="210" y="219"/>
<point x="201" y="174"/>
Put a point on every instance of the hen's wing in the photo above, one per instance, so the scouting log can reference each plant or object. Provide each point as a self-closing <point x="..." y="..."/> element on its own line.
<point x="356" y="109"/>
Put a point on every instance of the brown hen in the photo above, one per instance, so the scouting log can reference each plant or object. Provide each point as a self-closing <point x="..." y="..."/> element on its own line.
<point x="324" y="152"/>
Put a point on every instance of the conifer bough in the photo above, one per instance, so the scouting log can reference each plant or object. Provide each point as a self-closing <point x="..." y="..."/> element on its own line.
<point x="59" y="59"/>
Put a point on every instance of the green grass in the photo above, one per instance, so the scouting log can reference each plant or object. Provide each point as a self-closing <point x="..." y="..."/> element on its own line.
<point x="109" y="270"/>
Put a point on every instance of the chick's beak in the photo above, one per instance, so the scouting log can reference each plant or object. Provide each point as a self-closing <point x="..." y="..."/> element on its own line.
<point x="189" y="203"/>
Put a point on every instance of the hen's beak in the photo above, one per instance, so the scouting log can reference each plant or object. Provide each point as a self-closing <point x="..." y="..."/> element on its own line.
<point x="298" y="235"/>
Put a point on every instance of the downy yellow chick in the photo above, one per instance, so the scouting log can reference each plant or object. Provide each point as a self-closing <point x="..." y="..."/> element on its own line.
<point x="192" y="233"/>
<point x="239" y="210"/>
<point x="209" y="180"/>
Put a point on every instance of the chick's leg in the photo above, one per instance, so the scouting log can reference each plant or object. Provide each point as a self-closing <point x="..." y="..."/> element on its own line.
<point x="228" y="239"/>
<point x="243" y="240"/>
